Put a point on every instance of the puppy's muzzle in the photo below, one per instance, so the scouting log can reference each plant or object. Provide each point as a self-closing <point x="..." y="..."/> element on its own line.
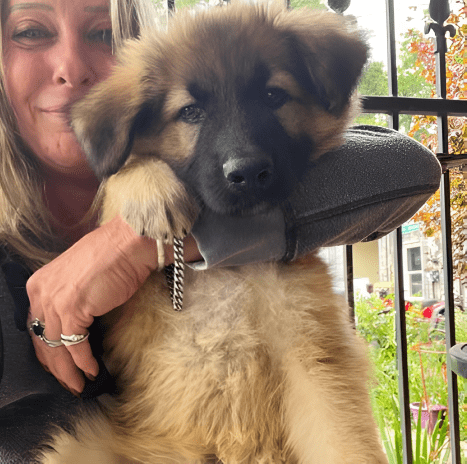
<point x="248" y="173"/>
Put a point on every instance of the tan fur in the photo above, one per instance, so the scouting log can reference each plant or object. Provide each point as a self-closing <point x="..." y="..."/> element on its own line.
<point x="262" y="365"/>
<point x="158" y="67"/>
<point x="147" y="194"/>
<point x="285" y="382"/>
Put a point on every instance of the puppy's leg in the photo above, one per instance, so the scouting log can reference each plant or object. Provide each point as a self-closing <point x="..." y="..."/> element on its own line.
<point x="324" y="425"/>
<point x="327" y="411"/>
<point x="94" y="442"/>
<point x="150" y="199"/>
<point x="90" y="442"/>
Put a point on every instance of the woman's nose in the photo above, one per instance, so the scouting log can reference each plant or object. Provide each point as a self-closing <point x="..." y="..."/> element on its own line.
<point x="73" y="63"/>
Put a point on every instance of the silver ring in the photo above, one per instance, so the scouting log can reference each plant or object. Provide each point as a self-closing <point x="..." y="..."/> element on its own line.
<point x="38" y="328"/>
<point x="70" y="340"/>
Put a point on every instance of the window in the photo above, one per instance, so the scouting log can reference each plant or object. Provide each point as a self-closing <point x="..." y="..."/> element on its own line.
<point x="414" y="259"/>
<point x="414" y="268"/>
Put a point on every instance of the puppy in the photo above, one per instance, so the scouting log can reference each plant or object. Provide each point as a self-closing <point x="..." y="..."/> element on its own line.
<point x="226" y="111"/>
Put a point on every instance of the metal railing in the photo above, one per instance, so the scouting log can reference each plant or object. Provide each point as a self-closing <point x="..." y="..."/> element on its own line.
<point x="394" y="106"/>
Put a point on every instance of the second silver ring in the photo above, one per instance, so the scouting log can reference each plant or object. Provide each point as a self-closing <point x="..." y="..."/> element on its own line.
<point x="70" y="340"/>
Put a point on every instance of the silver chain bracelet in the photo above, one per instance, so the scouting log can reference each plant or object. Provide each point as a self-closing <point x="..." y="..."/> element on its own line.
<point x="175" y="275"/>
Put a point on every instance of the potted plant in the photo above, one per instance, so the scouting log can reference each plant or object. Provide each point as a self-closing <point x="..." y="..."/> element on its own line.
<point x="430" y="413"/>
<point x="428" y="448"/>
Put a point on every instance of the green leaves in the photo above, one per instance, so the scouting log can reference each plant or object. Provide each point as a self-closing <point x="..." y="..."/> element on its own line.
<point x="375" y="323"/>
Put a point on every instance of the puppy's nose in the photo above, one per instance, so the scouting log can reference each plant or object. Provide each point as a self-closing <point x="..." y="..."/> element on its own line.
<point x="247" y="173"/>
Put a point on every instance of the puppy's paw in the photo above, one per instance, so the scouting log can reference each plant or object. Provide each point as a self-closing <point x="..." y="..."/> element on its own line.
<point x="151" y="199"/>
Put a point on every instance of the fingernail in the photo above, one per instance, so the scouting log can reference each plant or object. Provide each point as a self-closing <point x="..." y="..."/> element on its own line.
<point x="71" y="390"/>
<point x="74" y="392"/>
<point x="90" y="377"/>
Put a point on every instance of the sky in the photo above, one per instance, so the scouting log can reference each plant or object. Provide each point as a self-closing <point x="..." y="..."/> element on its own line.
<point x="371" y="15"/>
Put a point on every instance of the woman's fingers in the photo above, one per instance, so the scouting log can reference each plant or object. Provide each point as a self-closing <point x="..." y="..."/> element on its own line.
<point x="84" y="360"/>
<point x="67" y="360"/>
<point x="60" y="364"/>
<point x="74" y="337"/>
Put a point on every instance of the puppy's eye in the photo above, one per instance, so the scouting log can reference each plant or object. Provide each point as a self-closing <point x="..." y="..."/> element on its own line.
<point x="275" y="97"/>
<point x="192" y="114"/>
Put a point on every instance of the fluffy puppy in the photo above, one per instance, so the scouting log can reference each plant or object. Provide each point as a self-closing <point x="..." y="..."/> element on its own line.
<point x="226" y="111"/>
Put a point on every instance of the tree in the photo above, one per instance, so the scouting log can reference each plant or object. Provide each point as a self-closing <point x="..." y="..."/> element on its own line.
<point x="424" y="129"/>
<point x="410" y="80"/>
<point x="417" y="57"/>
<point x="374" y="80"/>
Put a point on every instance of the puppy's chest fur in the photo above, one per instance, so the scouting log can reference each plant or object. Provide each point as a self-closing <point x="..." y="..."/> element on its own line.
<point x="217" y="368"/>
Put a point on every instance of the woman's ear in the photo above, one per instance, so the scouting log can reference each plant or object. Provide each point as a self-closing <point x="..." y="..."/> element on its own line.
<point x="329" y="54"/>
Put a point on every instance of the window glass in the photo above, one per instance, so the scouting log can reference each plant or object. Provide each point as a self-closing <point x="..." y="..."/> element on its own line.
<point x="414" y="262"/>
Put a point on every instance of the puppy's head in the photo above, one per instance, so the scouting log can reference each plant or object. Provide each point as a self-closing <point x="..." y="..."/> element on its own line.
<point x="237" y="100"/>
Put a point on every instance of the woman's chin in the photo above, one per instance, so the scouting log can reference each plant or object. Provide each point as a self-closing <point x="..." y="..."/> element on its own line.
<point x="62" y="154"/>
<point x="70" y="166"/>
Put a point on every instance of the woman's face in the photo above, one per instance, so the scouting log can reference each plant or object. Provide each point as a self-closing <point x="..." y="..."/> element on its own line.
<point x="54" y="51"/>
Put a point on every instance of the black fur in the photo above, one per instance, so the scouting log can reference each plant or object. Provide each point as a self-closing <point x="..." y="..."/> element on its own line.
<point x="244" y="129"/>
<point x="244" y="158"/>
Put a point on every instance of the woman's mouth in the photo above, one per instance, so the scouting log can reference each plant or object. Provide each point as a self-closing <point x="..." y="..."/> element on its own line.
<point x="57" y="109"/>
<point x="59" y="116"/>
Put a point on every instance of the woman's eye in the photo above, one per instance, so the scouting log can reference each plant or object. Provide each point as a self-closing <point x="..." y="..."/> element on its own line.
<point x="192" y="114"/>
<point x="32" y="34"/>
<point x="275" y="97"/>
<point x="101" y="36"/>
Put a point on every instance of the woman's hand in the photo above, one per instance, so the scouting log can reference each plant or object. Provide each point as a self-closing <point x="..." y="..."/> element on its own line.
<point x="98" y="273"/>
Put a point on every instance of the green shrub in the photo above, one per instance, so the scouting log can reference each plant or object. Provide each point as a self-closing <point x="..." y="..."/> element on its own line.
<point x="375" y="321"/>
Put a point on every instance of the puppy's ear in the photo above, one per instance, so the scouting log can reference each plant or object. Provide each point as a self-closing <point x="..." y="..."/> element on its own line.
<point x="329" y="54"/>
<point x="107" y="119"/>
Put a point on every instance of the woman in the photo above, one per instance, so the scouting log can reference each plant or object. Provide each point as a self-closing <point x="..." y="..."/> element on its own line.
<point x="53" y="52"/>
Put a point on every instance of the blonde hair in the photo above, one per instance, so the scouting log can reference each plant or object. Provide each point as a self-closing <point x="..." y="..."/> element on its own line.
<point x="25" y="221"/>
